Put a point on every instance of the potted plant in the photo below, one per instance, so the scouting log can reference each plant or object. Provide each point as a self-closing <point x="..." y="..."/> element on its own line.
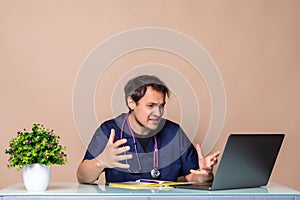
<point x="34" y="152"/>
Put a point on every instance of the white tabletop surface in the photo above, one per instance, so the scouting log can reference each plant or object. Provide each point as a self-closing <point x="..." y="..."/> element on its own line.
<point x="75" y="189"/>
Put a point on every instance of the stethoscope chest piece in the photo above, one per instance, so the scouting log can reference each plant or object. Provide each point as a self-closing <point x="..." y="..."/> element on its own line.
<point x="155" y="173"/>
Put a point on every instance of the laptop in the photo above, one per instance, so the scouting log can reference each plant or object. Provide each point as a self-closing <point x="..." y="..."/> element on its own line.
<point x="247" y="162"/>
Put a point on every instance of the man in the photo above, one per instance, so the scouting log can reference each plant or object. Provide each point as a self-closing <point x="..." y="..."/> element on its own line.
<point x="143" y="145"/>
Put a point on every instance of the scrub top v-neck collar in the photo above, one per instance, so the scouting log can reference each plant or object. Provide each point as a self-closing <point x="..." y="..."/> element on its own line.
<point x="127" y="135"/>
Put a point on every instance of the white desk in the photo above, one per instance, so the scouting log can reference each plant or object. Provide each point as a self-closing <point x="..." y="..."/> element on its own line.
<point x="78" y="191"/>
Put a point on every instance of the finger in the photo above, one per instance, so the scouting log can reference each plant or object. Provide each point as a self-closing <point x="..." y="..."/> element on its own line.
<point x="121" y="150"/>
<point x="111" y="136"/>
<point x="121" y="165"/>
<point x="199" y="151"/>
<point x="200" y="172"/>
<point x="123" y="157"/>
<point x="214" y="155"/>
<point x="119" y="143"/>
<point x="213" y="162"/>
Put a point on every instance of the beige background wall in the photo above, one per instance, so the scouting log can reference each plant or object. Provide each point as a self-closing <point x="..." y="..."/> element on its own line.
<point x="255" y="45"/>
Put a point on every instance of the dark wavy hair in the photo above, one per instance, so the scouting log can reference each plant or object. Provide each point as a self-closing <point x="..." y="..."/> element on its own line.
<point x="137" y="87"/>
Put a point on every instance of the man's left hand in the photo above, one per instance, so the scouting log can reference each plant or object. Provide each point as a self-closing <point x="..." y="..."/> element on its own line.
<point x="206" y="164"/>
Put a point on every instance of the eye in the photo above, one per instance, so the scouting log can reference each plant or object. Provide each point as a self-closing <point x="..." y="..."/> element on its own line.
<point x="151" y="105"/>
<point x="162" y="106"/>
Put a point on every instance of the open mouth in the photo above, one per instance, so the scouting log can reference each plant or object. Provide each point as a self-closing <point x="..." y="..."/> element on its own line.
<point x="154" y="120"/>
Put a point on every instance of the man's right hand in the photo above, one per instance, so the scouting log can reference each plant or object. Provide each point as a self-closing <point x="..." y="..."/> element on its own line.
<point x="114" y="153"/>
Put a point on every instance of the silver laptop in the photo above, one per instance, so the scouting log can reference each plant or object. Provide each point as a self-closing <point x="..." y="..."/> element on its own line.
<point x="247" y="161"/>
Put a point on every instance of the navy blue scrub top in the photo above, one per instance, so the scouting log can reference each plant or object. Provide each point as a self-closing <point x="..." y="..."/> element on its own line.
<point x="176" y="155"/>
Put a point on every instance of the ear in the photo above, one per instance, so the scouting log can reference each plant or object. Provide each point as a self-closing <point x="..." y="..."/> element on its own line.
<point x="131" y="104"/>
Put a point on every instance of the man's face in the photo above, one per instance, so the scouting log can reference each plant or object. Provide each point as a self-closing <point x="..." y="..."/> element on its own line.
<point x="148" y="111"/>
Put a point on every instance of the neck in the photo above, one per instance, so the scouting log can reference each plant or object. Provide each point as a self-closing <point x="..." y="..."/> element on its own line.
<point x="136" y="126"/>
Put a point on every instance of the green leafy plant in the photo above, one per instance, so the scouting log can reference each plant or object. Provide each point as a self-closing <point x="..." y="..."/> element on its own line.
<point x="40" y="145"/>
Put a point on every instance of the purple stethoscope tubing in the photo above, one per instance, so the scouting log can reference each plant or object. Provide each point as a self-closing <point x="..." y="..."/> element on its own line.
<point x="154" y="172"/>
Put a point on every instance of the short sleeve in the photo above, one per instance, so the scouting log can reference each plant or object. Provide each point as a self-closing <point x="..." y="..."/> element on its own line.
<point x="97" y="144"/>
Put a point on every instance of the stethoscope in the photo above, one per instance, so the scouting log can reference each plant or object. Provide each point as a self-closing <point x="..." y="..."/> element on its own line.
<point x="154" y="172"/>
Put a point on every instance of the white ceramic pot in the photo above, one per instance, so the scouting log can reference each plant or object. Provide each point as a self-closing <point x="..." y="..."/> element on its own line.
<point x="36" y="177"/>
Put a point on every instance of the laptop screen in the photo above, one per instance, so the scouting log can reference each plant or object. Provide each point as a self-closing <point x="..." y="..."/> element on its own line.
<point x="247" y="160"/>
